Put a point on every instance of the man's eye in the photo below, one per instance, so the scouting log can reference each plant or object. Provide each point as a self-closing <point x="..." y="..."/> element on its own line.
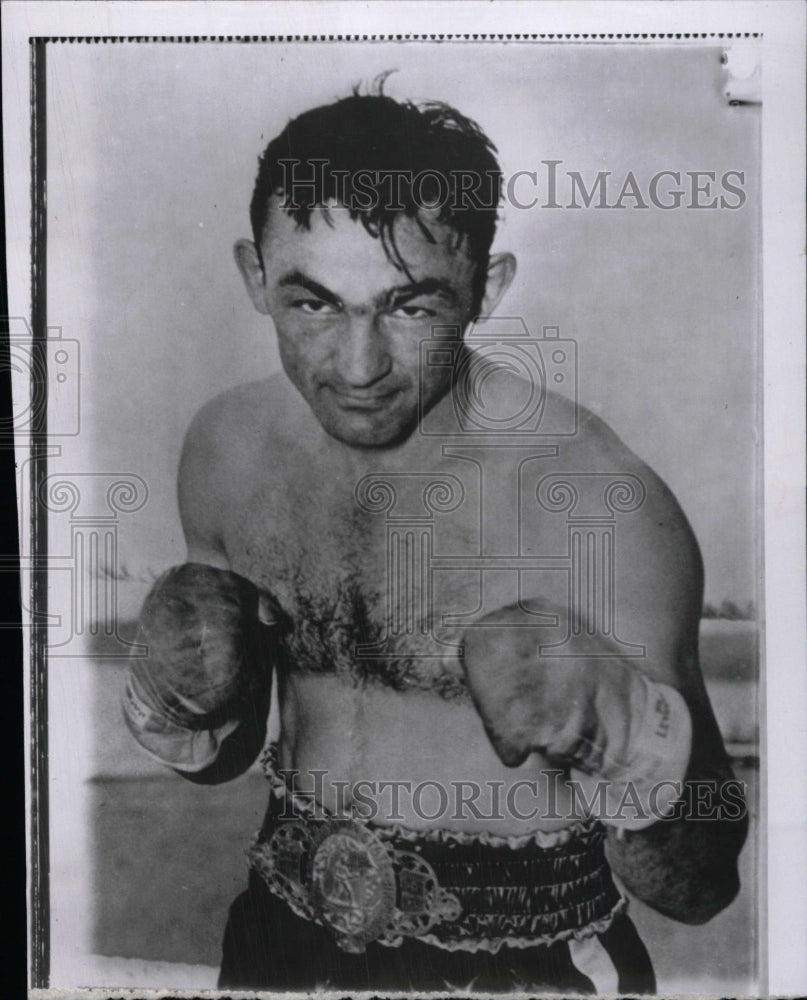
<point x="413" y="312"/>
<point x="314" y="307"/>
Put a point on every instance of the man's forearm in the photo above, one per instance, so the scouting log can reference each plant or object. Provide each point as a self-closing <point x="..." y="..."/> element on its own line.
<point x="240" y="749"/>
<point x="686" y="866"/>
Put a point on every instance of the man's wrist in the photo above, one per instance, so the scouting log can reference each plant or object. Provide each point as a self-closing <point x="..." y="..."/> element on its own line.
<point x="167" y="740"/>
<point x="634" y="793"/>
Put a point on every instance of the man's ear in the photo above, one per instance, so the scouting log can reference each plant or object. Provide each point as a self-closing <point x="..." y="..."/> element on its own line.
<point x="249" y="264"/>
<point x="501" y="271"/>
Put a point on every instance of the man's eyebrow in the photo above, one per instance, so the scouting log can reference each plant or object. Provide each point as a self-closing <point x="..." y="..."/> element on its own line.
<point x="302" y="281"/>
<point x="429" y="286"/>
<point x="397" y="296"/>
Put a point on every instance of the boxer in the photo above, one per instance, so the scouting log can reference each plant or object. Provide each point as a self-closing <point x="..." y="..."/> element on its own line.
<point x="288" y="577"/>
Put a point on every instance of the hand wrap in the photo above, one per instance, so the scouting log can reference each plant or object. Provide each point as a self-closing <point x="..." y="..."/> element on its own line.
<point x="643" y="784"/>
<point x="205" y="656"/>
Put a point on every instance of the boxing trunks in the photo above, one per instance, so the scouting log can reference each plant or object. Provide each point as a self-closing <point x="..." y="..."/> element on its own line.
<point x="341" y="903"/>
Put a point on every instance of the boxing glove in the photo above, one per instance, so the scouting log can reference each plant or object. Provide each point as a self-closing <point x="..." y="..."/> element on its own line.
<point x="203" y="629"/>
<point x="616" y="731"/>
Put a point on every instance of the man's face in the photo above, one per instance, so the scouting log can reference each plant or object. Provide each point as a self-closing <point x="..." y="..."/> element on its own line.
<point x="350" y="323"/>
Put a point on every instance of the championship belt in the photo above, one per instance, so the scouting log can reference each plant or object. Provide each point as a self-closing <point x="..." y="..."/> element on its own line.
<point x="338" y="873"/>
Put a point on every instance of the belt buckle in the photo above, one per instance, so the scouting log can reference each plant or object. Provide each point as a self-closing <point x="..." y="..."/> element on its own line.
<point x="352" y="884"/>
<point x="340" y="874"/>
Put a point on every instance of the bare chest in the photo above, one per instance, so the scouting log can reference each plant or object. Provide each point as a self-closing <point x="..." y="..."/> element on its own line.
<point x="352" y="566"/>
<point x="382" y="572"/>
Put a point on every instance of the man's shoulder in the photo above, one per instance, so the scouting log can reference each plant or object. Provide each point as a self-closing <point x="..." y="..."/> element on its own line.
<point x="259" y="414"/>
<point x="597" y="447"/>
<point x="243" y="441"/>
<point x="246" y="431"/>
<point x="571" y="444"/>
<point x="505" y="406"/>
<point x="649" y="516"/>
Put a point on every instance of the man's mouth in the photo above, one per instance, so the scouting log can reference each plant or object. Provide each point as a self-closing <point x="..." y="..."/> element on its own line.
<point x="357" y="400"/>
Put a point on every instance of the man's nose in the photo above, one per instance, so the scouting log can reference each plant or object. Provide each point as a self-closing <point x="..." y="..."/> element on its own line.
<point x="362" y="352"/>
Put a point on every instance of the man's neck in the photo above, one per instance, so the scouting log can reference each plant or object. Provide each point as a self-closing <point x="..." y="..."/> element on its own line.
<point x="412" y="453"/>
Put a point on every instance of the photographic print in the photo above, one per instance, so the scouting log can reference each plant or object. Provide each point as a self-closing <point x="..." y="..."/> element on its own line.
<point x="396" y="514"/>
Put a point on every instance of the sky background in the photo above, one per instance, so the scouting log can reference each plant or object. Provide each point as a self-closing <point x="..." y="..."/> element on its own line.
<point x="152" y="154"/>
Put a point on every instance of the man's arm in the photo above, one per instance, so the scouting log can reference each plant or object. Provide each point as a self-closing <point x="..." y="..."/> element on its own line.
<point x="684" y="867"/>
<point x="199" y="701"/>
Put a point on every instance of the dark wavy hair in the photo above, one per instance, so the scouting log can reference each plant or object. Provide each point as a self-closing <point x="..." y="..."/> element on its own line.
<point x="321" y="151"/>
